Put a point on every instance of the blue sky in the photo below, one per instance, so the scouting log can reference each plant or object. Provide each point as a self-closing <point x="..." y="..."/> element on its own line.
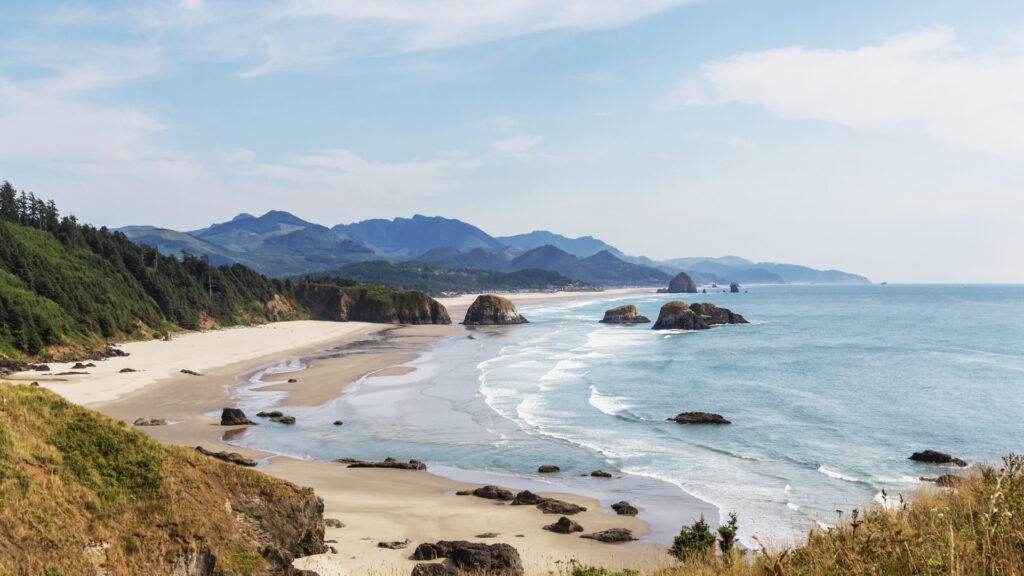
<point x="883" y="138"/>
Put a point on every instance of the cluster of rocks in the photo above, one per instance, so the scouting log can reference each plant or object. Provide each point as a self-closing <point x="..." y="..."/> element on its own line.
<point x="491" y="310"/>
<point x="81" y="366"/>
<point x="233" y="457"/>
<point x="387" y="463"/>
<point x="623" y="508"/>
<point x="470" y="557"/>
<point x="677" y="315"/>
<point x="277" y="416"/>
<point x="525" y="498"/>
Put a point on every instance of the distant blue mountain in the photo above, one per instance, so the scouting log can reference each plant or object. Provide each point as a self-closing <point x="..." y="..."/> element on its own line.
<point x="413" y="236"/>
<point x="581" y="247"/>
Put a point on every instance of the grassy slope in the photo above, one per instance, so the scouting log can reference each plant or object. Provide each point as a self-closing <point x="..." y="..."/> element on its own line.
<point x="70" y="477"/>
<point x="976" y="529"/>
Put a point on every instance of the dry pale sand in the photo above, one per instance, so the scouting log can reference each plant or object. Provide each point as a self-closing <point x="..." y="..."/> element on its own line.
<point x="375" y="505"/>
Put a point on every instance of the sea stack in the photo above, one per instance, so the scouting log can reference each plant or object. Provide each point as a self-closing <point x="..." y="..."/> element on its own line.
<point x="491" y="310"/>
<point x="677" y="315"/>
<point x="624" y="315"/>
<point x="681" y="284"/>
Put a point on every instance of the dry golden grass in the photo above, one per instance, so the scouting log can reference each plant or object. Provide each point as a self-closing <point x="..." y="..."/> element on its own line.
<point x="82" y="493"/>
<point x="977" y="528"/>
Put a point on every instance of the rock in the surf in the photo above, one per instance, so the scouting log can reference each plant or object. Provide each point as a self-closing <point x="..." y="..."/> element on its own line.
<point x="234" y="417"/>
<point x="490" y="310"/>
<point x="936" y="457"/>
<point x="713" y="315"/>
<point x="600" y="474"/>
<point x="699" y="418"/>
<point x="681" y="284"/>
<point x="624" y="315"/>
<point x="548" y="469"/>
<point x="624" y="508"/>
<point x="678" y="315"/>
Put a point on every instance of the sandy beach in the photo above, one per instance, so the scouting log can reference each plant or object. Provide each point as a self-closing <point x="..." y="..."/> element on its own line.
<point x="375" y="505"/>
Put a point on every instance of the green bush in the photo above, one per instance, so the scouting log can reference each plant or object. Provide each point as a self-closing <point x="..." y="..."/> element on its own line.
<point x="693" y="541"/>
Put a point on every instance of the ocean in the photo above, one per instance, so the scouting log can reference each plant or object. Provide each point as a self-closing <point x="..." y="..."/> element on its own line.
<point x="829" y="388"/>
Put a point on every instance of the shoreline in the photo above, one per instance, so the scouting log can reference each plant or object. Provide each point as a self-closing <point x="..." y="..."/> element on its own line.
<point x="375" y="504"/>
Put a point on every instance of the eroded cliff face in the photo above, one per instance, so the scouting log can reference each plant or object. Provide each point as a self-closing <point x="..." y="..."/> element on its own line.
<point x="490" y="310"/>
<point x="371" y="304"/>
<point x="87" y="494"/>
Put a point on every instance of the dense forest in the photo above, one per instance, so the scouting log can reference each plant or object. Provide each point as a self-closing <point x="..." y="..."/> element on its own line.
<point x="439" y="280"/>
<point x="68" y="288"/>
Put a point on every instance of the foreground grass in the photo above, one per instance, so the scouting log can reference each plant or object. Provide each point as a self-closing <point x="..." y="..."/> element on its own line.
<point x="975" y="528"/>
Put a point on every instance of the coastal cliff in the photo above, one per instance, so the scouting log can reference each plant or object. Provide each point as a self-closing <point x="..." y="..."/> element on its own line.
<point x="370" y="303"/>
<point x="83" y="493"/>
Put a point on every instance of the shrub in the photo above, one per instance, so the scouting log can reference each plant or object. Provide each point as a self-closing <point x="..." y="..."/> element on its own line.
<point x="693" y="541"/>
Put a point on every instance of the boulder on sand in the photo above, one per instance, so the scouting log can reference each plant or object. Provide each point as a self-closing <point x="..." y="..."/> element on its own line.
<point x="527" y="498"/>
<point x="564" y="526"/>
<point x="624" y="315"/>
<point x="433" y="570"/>
<point x="936" y="457"/>
<point x="553" y="506"/>
<point x="234" y="417"/>
<point x="491" y="310"/>
<point x="681" y="284"/>
<point x="699" y="418"/>
<point x="611" y="535"/>
<point x="149" y="422"/>
<point x="473" y="557"/>
<point x="493" y="493"/>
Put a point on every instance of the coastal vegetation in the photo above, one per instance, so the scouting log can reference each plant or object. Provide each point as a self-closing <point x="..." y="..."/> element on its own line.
<point x="66" y="288"/>
<point x="83" y="493"/>
<point x="974" y="527"/>
<point x="440" y="280"/>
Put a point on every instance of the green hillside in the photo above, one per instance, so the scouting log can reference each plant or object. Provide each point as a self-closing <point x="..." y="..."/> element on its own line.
<point x="67" y="289"/>
<point x="82" y="493"/>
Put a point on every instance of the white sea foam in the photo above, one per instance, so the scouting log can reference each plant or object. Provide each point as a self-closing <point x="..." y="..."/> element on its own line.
<point x="793" y="507"/>
<point x="836" y="475"/>
<point x="610" y="405"/>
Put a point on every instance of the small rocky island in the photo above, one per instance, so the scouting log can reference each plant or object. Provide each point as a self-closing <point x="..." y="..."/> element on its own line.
<point x="699" y="418"/>
<point x="681" y="284"/>
<point x="624" y="315"/>
<point x="677" y="315"/>
<point x="491" y="310"/>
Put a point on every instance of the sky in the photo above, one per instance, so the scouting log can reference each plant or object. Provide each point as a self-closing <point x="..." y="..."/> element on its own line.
<point x="876" y="137"/>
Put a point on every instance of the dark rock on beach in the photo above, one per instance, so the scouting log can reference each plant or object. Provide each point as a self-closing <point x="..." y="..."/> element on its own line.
<point x="127" y="370"/>
<point x="624" y="508"/>
<point x="493" y="493"/>
<point x="935" y="457"/>
<point x="624" y="315"/>
<point x="437" y="569"/>
<point x="149" y="422"/>
<point x="334" y="523"/>
<point x="234" y="417"/>
<point x="292" y="380"/>
<point x="564" y="526"/>
<point x="233" y="457"/>
<point x="338" y="422"/>
<point x="611" y="535"/>
<point x="396" y="545"/>
<point x="487" y="535"/>
<point x="527" y="498"/>
<point x="548" y="469"/>
<point x="490" y="310"/>
<point x="553" y="506"/>
<point x="283" y="419"/>
<point x="270" y="414"/>
<point x="190" y="372"/>
<point x="600" y="474"/>
<point x="681" y="284"/>
<point x="387" y="463"/>
<point x="699" y="418"/>
<point x="474" y="557"/>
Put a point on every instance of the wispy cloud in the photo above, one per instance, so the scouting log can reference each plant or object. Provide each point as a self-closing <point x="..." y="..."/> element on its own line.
<point x="923" y="79"/>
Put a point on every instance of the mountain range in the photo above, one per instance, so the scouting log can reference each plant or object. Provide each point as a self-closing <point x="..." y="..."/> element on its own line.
<point x="281" y="244"/>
